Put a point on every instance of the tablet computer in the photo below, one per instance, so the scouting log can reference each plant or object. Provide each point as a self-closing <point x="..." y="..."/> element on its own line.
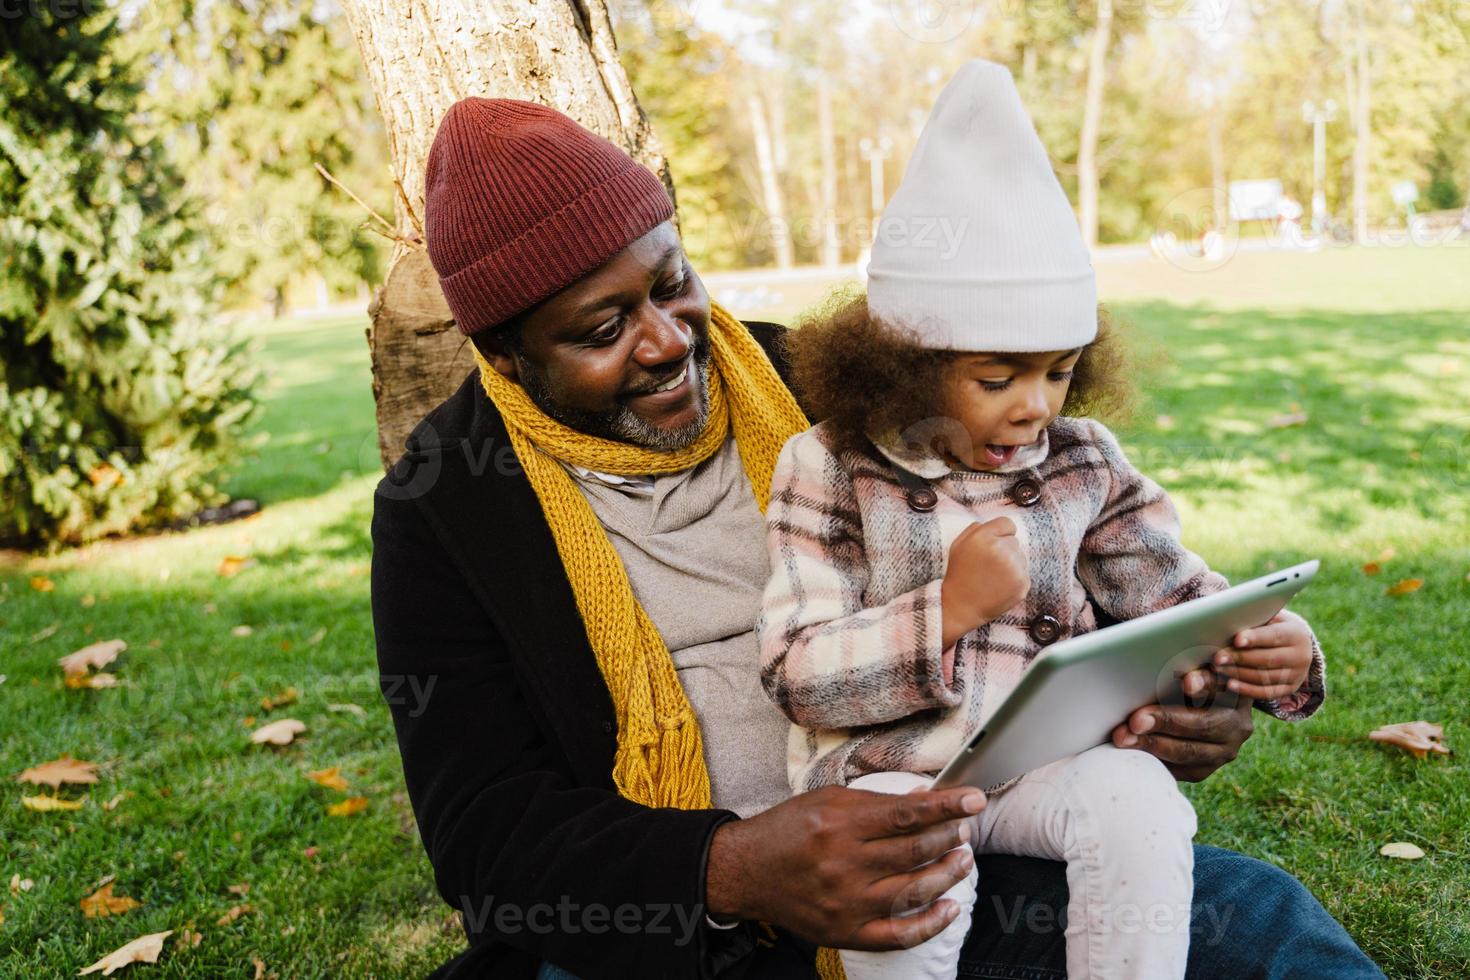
<point x="1078" y="691"/>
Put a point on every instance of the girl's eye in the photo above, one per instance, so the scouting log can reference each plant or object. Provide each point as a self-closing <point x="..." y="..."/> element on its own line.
<point x="995" y="385"/>
<point x="1060" y="376"/>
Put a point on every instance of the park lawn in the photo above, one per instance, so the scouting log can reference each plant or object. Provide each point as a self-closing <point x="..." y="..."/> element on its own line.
<point x="1378" y="472"/>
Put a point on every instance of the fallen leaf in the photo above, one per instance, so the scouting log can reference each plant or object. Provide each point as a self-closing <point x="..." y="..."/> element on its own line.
<point x="45" y="633"/>
<point x="1404" y="587"/>
<point x="235" y="912"/>
<point x="278" y="732"/>
<point x="97" y="655"/>
<point x="259" y="967"/>
<point x="309" y="852"/>
<point x="1403" y="850"/>
<point x="330" y="778"/>
<point x="1418" y="737"/>
<point x="242" y="889"/>
<point x="288" y="696"/>
<point x="1288" y="420"/>
<point x="316" y="637"/>
<point x="242" y="630"/>
<point x="1372" y="568"/>
<point x="58" y="771"/>
<point x="88" y="601"/>
<point x="355" y="709"/>
<point x="1165" y="422"/>
<point x="95" y="682"/>
<point x="144" y="949"/>
<point x="2" y="914"/>
<point x="232" y="565"/>
<point x="102" y="903"/>
<point x="19" y="884"/>
<point x="189" y="937"/>
<point x="112" y="803"/>
<point x="42" y="584"/>
<point x="1387" y="553"/>
<point x="349" y="806"/>
<point x="45" y="804"/>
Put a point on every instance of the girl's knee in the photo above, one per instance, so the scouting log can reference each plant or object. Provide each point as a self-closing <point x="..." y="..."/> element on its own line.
<point x="890" y="782"/>
<point x="1134" y="792"/>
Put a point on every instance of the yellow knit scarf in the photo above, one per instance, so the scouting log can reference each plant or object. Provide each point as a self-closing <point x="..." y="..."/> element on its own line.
<point x="660" y="754"/>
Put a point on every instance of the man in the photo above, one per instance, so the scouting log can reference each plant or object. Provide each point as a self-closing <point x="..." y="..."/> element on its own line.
<point x="567" y="569"/>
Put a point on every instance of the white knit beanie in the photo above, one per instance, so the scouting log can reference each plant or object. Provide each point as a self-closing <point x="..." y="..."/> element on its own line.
<point x="979" y="250"/>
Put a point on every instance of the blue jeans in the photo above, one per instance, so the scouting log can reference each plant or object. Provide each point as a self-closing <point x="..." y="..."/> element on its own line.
<point x="1250" y="921"/>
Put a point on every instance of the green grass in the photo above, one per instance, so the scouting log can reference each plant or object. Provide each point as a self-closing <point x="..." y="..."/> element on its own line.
<point x="1381" y="366"/>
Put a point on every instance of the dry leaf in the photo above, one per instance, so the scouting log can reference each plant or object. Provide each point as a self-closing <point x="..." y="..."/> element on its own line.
<point x="316" y="637"/>
<point x="88" y="601"/>
<point x="98" y="655"/>
<point x="102" y="903"/>
<point x="278" y="732"/>
<point x="349" y="806"/>
<point x="45" y="633"/>
<point x="189" y="937"/>
<point x="1372" y="568"/>
<point x="242" y="630"/>
<point x="288" y="696"/>
<point x="242" y="889"/>
<point x="1418" y="737"/>
<point x="232" y="565"/>
<point x="96" y="682"/>
<point x="42" y="584"/>
<point x="1405" y="587"/>
<point x="58" y="771"/>
<point x="234" y="913"/>
<point x="1288" y="420"/>
<point x="144" y="949"/>
<point x="1402" y="850"/>
<point x="355" y="709"/>
<point x="19" y="884"/>
<point x="2" y="913"/>
<point x="45" y="804"/>
<point x="330" y="778"/>
<point x="1387" y="554"/>
<point x="112" y="803"/>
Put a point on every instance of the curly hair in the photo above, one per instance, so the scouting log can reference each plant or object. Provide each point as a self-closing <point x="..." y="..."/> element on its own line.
<point x="864" y="376"/>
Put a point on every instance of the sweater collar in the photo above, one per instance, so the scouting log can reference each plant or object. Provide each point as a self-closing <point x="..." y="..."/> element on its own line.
<point x="922" y="460"/>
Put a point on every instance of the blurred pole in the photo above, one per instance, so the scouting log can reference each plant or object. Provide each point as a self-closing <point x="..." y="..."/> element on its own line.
<point x="875" y="152"/>
<point x="1319" y="117"/>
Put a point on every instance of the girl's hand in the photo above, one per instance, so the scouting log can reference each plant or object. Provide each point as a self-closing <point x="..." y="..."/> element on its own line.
<point x="986" y="575"/>
<point x="1269" y="661"/>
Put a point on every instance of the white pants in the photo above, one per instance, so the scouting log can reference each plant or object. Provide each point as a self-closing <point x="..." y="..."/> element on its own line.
<point x="1117" y="818"/>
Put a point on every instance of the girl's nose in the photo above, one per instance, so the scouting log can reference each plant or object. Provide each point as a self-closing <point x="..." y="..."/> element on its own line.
<point x="1030" y="404"/>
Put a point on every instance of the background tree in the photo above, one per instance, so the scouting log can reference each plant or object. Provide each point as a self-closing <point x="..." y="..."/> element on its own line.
<point x="121" y="395"/>
<point x="420" y="61"/>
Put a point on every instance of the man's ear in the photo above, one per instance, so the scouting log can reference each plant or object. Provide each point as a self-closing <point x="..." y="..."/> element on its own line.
<point x="494" y="349"/>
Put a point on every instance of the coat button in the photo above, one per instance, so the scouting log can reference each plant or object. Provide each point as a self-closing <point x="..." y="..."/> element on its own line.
<point x="1026" y="492"/>
<point x="1045" y="629"/>
<point x="922" y="499"/>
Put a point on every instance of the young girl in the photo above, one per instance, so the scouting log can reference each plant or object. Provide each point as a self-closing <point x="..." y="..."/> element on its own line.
<point x="951" y="518"/>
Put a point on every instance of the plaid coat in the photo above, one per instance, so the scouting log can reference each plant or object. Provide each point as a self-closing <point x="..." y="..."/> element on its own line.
<point x="851" y="624"/>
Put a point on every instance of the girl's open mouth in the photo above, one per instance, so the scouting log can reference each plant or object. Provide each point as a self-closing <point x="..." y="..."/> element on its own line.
<point x="997" y="455"/>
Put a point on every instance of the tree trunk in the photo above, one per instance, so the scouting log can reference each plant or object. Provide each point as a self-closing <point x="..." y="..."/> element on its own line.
<point x="770" y="184"/>
<point x="421" y="59"/>
<point x="831" y="242"/>
<point x="1092" y="122"/>
<point x="1362" y="119"/>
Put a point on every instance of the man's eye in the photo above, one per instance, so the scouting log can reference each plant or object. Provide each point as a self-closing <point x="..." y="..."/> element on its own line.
<point x="607" y="332"/>
<point x="672" y="289"/>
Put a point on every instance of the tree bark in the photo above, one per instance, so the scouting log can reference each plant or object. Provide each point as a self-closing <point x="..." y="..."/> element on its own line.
<point x="1091" y="122"/>
<point x="421" y="58"/>
<point x="831" y="241"/>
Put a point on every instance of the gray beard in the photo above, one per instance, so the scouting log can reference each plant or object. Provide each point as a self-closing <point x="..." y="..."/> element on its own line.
<point x="621" y="424"/>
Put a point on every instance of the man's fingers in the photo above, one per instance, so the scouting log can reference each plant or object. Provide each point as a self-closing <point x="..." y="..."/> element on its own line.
<point x="904" y="932"/>
<point x="1177" y="751"/>
<point x="917" y="887"/>
<point x="1206" y="724"/>
<point x="892" y="855"/>
<point x="911" y="812"/>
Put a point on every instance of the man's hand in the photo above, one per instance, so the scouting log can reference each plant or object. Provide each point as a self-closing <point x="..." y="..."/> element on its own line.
<point x="837" y="866"/>
<point x="1191" y="742"/>
<point x="1269" y="661"/>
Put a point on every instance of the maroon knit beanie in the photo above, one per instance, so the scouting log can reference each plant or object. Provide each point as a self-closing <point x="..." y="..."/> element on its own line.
<point x="520" y="202"/>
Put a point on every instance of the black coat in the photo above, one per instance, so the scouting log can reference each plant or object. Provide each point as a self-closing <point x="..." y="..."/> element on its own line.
<point x="507" y="733"/>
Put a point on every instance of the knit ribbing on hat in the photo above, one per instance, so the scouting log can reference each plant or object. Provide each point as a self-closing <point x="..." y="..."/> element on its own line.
<point x="979" y="250"/>
<point x="521" y="202"/>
